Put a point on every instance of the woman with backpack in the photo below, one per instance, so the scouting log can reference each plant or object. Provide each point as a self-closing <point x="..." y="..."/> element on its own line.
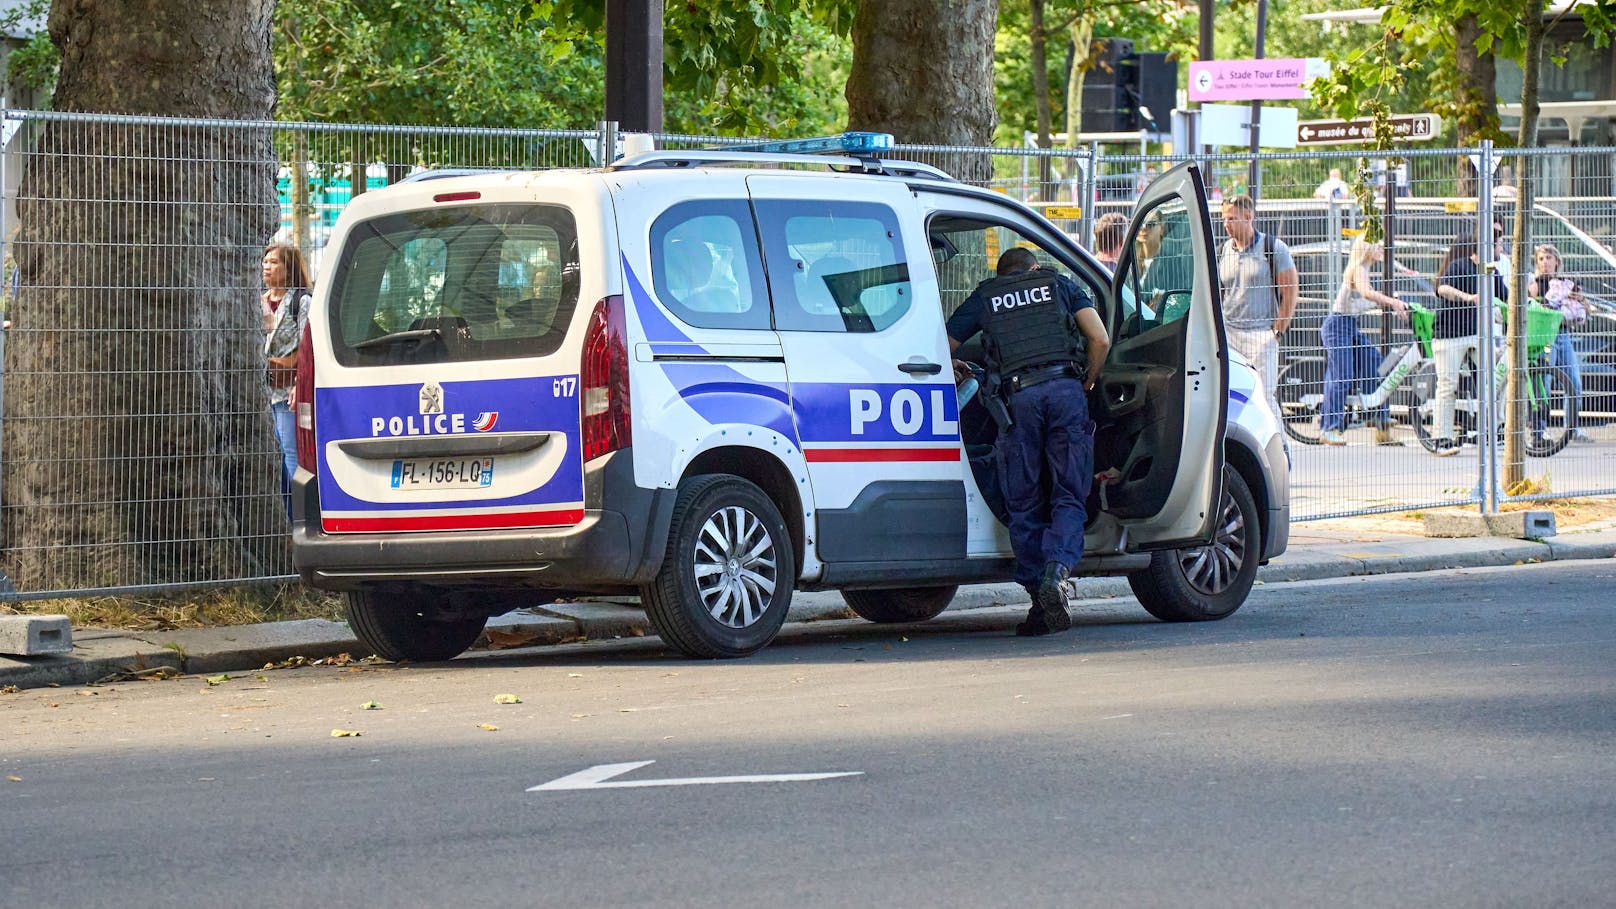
<point x="284" y="306"/>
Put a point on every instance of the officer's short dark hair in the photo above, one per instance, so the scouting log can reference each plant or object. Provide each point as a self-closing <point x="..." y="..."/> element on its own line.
<point x="1017" y="259"/>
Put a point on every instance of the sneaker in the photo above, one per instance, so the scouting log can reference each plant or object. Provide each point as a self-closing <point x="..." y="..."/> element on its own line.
<point x="1333" y="437"/>
<point x="1383" y="436"/>
<point x="1581" y="437"/>
<point x="1445" y="448"/>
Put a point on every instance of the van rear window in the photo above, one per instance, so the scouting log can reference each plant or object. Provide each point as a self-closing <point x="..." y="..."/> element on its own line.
<point x="472" y="282"/>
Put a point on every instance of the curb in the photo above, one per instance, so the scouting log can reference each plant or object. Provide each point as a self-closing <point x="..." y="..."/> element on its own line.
<point x="100" y="656"/>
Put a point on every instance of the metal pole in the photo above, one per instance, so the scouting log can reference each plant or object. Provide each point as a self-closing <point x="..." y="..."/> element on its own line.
<point x="1254" y="172"/>
<point x="1487" y="422"/>
<point x="1333" y="249"/>
<point x="1088" y="178"/>
<point x="1390" y="222"/>
<point x="606" y="142"/>
<point x="1085" y="225"/>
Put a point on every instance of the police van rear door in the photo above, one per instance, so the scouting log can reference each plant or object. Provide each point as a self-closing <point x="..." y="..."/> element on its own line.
<point x="872" y="390"/>
<point x="1163" y="396"/>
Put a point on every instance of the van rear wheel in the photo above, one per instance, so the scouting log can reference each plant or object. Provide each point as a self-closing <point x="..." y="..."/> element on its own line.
<point x="906" y="604"/>
<point x="725" y="582"/>
<point x="412" y="623"/>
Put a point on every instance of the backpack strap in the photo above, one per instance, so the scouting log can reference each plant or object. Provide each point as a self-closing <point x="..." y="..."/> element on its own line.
<point x="1268" y="250"/>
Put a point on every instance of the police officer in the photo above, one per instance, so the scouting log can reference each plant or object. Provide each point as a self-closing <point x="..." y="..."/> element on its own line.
<point x="1045" y="345"/>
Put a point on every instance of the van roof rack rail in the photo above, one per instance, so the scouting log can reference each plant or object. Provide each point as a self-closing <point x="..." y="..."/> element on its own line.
<point x="852" y="152"/>
<point x="445" y="172"/>
<point x="843" y="163"/>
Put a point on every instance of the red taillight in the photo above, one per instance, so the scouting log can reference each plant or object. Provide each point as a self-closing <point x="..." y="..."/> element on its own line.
<point x="603" y="381"/>
<point x="303" y="409"/>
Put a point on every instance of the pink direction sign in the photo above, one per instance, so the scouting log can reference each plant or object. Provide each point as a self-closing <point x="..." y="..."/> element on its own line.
<point x="1254" y="80"/>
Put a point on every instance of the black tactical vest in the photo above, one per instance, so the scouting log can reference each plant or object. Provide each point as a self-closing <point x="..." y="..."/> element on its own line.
<point x="1025" y="324"/>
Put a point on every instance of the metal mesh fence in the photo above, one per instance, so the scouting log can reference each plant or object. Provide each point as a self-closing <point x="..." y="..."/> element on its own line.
<point x="136" y="449"/>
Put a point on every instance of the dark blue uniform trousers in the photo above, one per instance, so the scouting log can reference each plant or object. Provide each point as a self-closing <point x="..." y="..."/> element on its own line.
<point x="1046" y="466"/>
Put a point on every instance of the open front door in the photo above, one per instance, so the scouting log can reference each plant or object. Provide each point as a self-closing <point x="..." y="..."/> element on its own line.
<point x="1163" y="395"/>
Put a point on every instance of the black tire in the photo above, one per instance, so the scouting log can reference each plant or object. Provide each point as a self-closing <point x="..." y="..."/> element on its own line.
<point x="894" y="605"/>
<point x="722" y="517"/>
<point x="412" y="623"/>
<point x="1551" y="411"/>
<point x="1300" y="393"/>
<point x="1205" y="583"/>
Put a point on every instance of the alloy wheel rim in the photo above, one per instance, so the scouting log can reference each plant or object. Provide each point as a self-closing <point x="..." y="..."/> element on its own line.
<point x="735" y="567"/>
<point x="1211" y="569"/>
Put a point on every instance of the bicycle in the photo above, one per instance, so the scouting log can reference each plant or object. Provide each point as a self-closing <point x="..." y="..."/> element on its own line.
<point x="1551" y="410"/>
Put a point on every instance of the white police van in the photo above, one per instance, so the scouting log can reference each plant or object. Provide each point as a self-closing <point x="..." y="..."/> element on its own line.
<point x="715" y="377"/>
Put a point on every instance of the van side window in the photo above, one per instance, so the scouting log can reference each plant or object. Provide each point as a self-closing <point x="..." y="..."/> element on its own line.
<point x="966" y="250"/>
<point x="705" y="266"/>
<point x="1158" y="269"/>
<point x="834" y="266"/>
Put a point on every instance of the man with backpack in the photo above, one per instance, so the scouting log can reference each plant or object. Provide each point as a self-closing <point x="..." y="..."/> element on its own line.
<point x="1259" y="290"/>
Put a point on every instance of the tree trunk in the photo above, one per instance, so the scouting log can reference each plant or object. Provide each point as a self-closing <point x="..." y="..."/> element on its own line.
<point x="923" y="71"/>
<point x="137" y="438"/>
<point x="1040" y="93"/>
<point x="1520" y="247"/>
<point x="1477" y="100"/>
<point x="1082" y="35"/>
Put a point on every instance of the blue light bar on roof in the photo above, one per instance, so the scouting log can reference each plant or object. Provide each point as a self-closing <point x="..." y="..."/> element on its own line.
<point x="855" y="143"/>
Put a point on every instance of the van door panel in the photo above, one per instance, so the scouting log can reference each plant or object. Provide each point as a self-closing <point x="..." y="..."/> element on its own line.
<point x="872" y="393"/>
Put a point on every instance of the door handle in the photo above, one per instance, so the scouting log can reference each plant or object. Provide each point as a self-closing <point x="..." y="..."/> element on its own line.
<point x="914" y="368"/>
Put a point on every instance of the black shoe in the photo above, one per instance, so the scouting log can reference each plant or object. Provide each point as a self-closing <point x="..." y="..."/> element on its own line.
<point x="1034" y="624"/>
<point x="1051" y="597"/>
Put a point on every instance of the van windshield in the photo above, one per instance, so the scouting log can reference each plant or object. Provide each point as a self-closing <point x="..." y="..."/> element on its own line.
<point x="454" y="283"/>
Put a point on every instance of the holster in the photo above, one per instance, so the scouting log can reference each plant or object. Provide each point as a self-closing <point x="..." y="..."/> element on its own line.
<point x="993" y="402"/>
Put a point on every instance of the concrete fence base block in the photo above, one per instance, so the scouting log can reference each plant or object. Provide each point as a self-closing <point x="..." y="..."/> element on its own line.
<point x="1522" y="525"/>
<point x="35" y="635"/>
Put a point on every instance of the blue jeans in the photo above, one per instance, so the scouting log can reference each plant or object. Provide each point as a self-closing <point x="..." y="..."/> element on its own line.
<point x="1563" y="355"/>
<point x="1351" y="366"/>
<point x="1046" y="466"/>
<point x="286" y="434"/>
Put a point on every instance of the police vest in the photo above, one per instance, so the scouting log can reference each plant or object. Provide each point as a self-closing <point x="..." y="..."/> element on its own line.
<point x="1025" y="324"/>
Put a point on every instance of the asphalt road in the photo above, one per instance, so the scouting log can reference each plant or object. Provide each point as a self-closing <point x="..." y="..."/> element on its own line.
<point x="1418" y="740"/>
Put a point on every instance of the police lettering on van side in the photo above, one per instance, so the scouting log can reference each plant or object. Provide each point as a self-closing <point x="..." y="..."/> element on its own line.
<point x="908" y="414"/>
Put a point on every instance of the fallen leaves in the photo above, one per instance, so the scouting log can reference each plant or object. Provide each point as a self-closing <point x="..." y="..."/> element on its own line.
<point x="9" y="689"/>
<point x="506" y="640"/>
<point x="370" y="705"/>
<point x="346" y="733"/>
<point x="488" y="727"/>
<point x="14" y="779"/>
<point x="219" y="679"/>
<point x="149" y="674"/>
<point x="507" y="699"/>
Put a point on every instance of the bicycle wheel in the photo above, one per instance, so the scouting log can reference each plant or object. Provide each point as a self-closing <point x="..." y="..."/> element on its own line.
<point x="1551" y="411"/>
<point x="1301" y="398"/>
<point x="1422" y="403"/>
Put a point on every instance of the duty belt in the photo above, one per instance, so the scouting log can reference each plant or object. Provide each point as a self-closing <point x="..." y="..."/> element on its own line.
<point x="1038" y="375"/>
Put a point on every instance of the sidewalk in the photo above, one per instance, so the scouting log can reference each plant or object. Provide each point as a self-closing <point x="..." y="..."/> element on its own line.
<point x="1317" y="550"/>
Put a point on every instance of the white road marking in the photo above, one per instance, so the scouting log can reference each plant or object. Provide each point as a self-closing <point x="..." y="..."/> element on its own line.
<point x="596" y="777"/>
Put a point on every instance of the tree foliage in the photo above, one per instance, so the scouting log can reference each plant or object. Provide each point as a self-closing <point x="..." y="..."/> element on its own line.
<point x="731" y="66"/>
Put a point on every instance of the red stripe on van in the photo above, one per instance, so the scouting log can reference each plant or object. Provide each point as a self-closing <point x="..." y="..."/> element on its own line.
<point x="497" y="521"/>
<point x="844" y="455"/>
